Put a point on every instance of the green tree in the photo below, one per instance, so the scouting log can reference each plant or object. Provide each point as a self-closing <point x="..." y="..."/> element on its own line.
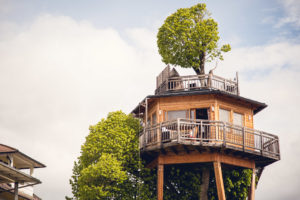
<point x="189" y="37"/>
<point x="109" y="166"/>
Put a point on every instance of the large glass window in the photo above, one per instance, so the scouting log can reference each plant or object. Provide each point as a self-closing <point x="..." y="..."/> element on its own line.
<point x="177" y="114"/>
<point x="238" y="119"/>
<point x="224" y="115"/>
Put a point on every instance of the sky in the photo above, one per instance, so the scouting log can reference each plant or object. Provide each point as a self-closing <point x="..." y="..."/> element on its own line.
<point x="65" y="64"/>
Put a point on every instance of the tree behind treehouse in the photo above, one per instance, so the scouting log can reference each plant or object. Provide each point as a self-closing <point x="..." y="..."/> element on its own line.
<point x="189" y="37"/>
<point x="108" y="167"/>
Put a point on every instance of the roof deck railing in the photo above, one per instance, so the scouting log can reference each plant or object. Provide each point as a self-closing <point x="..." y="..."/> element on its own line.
<point x="196" y="82"/>
<point x="210" y="133"/>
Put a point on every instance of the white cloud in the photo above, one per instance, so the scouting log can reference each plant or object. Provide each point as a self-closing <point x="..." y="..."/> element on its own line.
<point x="292" y="10"/>
<point x="271" y="74"/>
<point x="59" y="75"/>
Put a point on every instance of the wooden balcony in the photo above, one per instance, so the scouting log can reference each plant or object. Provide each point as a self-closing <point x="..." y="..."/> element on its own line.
<point x="197" y="82"/>
<point x="210" y="135"/>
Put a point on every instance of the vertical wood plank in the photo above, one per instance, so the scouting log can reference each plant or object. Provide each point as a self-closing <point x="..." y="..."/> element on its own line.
<point x="251" y="194"/>
<point x="219" y="180"/>
<point x="160" y="181"/>
<point x="16" y="192"/>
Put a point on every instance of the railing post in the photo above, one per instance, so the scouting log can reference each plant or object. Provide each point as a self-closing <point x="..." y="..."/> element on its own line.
<point x="261" y="143"/>
<point x="178" y="130"/>
<point x="201" y="132"/>
<point x="159" y="137"/>
<point x="237" y="84"/>
<point x="243" y="138"/>
<point x="278" y="151"/>
<point x="224" y="134"/>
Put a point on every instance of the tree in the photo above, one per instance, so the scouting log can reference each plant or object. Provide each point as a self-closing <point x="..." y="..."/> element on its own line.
<point x="189" y="37"/>
<point x="109" y="166"/>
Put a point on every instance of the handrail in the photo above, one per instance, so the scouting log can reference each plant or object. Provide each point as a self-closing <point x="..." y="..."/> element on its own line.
<point x="192" y="82"/>
<point x="209" y="132"/>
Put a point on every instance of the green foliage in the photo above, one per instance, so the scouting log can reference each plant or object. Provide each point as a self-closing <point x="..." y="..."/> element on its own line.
<point x="236" y="184"/>
<point x="182" y="182"/>
<point x="189" y="37"/>
<point x="108" y="167"/>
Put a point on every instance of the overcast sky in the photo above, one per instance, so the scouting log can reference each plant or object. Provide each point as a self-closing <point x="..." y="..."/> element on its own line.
<point x="65" y="64"/>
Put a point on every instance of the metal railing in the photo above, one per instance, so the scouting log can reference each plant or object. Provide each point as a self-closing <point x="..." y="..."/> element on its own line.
<point x="211" y="133"/>
<point x="186" y="83"/>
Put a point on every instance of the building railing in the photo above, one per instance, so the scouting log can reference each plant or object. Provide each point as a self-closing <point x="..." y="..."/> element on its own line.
<point x="210" y="133"/>
<point x="194" y="82"/>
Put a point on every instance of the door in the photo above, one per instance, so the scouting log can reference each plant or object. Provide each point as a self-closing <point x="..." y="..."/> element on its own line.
<point x="201" y="113"/>
<point x="203" y="131"/>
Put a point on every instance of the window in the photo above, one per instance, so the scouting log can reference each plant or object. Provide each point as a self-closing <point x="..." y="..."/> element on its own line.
<point x="171" y="115"/>
<point x="224" y="115"/>
<point x="154" y="118"/>
<point x="238" y="119"/>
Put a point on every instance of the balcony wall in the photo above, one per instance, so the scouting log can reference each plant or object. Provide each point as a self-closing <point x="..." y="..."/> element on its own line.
<point x="194" y="82"/>
<point x="206" y="133"/>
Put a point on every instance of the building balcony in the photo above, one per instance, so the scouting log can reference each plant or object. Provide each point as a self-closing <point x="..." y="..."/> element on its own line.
<point x="205" y="135"/>
<point x="196" y="82"/>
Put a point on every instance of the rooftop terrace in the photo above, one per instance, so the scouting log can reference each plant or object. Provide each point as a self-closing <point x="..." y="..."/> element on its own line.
<point x="170" y="81"/>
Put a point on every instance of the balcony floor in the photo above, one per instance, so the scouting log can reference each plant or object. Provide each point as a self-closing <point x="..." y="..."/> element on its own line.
<point x="189" y="147"/>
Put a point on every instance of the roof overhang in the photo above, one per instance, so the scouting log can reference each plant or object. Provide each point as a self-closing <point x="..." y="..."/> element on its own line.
<point x="257" y="106"/>
<point x="22" y="160"/>
<point x="11" y="175"/>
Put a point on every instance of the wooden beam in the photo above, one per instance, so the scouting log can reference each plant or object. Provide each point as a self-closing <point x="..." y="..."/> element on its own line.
<point x="152" y="164"/>
<point x="160" y="182"/>
<point x="16" y="192"/>
<point x="163" y="151"/>
<point x="251" y="194"/>
<point x="219" y="181"/>
<point x="199" y="149"/>
<point x="186" y="149"/>
<point x="195" y="157"/>
<point x="174" y="150"/>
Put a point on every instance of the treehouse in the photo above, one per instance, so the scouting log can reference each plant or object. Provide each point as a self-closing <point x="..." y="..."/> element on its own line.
<point x="203" y="119"/>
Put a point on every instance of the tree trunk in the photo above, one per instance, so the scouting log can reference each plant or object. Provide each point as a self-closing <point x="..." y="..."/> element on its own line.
<point x="205" y="184"/>
<point x="197" y="70"/>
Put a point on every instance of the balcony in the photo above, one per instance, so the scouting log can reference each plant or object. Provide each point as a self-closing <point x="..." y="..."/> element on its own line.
<point x="196" y="82"/>
<point x="206" y="134"/>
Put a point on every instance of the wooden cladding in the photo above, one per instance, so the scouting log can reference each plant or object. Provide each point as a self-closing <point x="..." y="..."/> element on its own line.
<point x="239" y="113"/>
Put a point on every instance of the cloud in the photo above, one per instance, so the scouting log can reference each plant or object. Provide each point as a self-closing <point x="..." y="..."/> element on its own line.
<point x="292" y="10"/>
<point x="270" y="74"/>
<point x="59" y="75"/>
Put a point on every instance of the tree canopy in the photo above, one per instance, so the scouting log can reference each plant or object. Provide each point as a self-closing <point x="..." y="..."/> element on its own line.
<point x="189" y="37"/>
<point x="110" y="168"/>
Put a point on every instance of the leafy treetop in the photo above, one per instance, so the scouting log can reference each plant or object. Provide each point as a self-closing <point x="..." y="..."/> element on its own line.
<point x="189" y="37"/>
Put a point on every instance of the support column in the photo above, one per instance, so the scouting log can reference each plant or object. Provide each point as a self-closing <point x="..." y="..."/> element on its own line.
<point x="251" y="194"/>
<point x="16" y="191"/>
<point x="160" y="181"/>
<point x="219" y="180"/>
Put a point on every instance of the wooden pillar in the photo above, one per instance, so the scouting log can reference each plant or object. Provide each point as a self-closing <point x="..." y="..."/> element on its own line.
<point x="219" y="180"/>
<point x="16" y="191"/>
<point x="251" y="194"/>
<point x="160" y="182"/>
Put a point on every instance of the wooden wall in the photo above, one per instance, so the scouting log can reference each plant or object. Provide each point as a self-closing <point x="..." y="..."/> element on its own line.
<point x="213" y="102"/>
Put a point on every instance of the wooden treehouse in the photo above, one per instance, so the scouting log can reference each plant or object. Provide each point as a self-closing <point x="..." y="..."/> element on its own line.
<point x="203" y="119"/>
